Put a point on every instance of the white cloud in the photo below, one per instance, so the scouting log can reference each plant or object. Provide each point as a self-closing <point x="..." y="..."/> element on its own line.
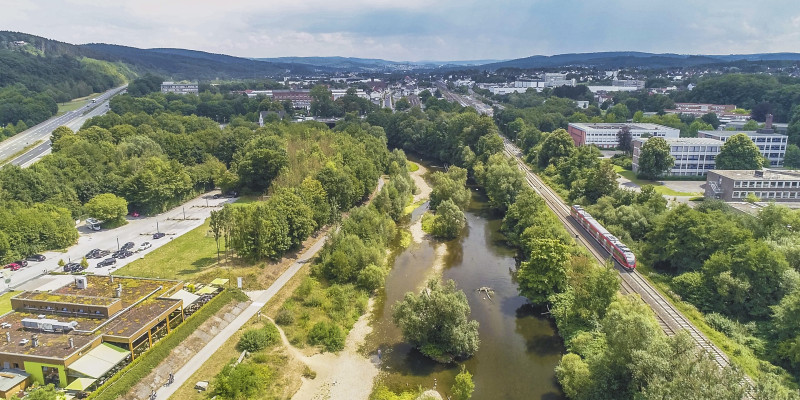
<point x="415" y="29"/>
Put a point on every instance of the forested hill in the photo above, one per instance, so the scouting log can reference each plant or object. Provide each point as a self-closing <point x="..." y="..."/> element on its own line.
<point x="190" y="64"/>
<point x="36" y="73"/>
<point x="628" y="59"/>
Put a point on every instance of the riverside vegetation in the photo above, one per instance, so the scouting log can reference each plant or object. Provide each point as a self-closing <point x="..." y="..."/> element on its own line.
<point x="616" y="349"/>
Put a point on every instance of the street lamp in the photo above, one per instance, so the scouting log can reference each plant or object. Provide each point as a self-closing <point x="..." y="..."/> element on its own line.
<point x="117" y="242"/>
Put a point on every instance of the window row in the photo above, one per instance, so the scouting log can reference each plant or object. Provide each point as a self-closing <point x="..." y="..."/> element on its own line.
<point x="766" y="184"/>
<point x="768" y="195"/>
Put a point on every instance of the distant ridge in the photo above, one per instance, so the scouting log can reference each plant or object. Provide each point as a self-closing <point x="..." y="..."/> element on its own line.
<point x="192" y="64"/>
<point x="626" y="59"/>
<point x="372" y="64"/>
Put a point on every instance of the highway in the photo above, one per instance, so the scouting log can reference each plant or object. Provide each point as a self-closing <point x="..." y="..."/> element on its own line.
<point x="669" y="318"/>
<point x="39" y="135"/>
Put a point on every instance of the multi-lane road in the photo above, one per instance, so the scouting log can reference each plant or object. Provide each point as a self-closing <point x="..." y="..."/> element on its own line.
<point x="39" y="135"/>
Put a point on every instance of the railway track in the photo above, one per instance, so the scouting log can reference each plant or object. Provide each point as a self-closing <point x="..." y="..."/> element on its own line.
<point x="669" y="318"/>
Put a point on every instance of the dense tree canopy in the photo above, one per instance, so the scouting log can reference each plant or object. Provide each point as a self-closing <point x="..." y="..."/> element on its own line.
<point x="437" y="321"/>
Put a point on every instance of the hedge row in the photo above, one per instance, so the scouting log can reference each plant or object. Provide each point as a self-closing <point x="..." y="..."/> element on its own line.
<point x="122" y="382"/>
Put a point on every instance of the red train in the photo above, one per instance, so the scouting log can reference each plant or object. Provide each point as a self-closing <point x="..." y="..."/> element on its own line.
<point x="614" y="246"/>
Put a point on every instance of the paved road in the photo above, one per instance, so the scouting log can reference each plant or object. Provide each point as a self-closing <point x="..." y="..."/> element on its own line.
<point x="137" y="230"/>
<point x="42" y="131"/>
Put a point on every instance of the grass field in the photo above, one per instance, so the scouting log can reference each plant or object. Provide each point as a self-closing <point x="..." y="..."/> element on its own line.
<point x="5" y="301"/>
<point x="192" y="257"/>
<point x="660" y="187"/>
<point x="75" y="104"/>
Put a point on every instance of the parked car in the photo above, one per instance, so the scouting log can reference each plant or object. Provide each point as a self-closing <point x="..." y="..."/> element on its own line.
<point x="107" y="262"/>
<point x="92" y="253"/>
<point x="12" y="266"/>
<point x="122" y="254"/>
<point x="93" y="224"/>
<point x="158" y="235"/>
<point x="36" y="257"/>
<point x="21" y="263"/>
<point x="145" y="246"/>
<point x="102" y="253"/>
<point x="73" y="267"/>
<point x="128" y="246"/>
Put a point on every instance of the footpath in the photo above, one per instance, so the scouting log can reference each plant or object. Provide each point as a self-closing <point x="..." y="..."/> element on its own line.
<point x="258" y="301"/>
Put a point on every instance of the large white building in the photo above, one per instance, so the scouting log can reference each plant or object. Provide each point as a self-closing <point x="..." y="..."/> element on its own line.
<point x="179" y="88"/>
<point x="771" y="145"/>
<point x="693" y="156"/>
<point x="604" y="135"/>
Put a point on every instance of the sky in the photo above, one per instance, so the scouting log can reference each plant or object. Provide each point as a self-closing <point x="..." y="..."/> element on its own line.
<point x="413" y="30"/>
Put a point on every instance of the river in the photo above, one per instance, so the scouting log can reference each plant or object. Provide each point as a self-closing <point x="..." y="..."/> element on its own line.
<point x="519" y="347"/>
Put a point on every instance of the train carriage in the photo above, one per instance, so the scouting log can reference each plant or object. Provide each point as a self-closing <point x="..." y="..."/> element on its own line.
<point x="614" y="246"/>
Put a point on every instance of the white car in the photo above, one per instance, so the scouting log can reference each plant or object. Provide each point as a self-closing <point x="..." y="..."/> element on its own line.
<point x="145" y="246"/>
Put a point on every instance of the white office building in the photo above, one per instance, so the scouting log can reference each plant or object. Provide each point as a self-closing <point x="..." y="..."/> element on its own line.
<point x="771" y="145"/>
<point x="604" y="135"/>
<point x="693" y="156"/>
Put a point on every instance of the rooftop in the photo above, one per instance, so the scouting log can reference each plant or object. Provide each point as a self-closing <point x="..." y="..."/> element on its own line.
<point x="89" y="329"/>
<point x="133" y="289"/>
<point x="131" y="321"/>
<point x="615" y="125"/>
<point x="766" y="175"/>
<point x="9" y="378"/>
<point x="748" y="133"/>
<point x="51" y="344"/>
<point x="687" y="141"/>
<point x="66" y="298"/>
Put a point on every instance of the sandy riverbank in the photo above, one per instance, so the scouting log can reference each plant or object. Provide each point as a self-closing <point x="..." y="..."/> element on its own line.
<point x="346" y="375"/>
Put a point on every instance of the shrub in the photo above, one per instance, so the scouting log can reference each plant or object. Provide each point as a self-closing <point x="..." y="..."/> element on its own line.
<point x="306" y="287"/>
<point x="257" y="339"/>
<point x="328" y="335"/>
<point x="371" y="278"/>
<point x="284" y="317"/>
<point x="309" y="373"/>
<point x="242" y="381"/>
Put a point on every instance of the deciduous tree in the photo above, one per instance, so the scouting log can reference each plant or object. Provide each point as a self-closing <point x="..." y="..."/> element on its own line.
<point x="655" y="159"/>
<point x="437" y="321"/>
<point x="739" y="152"/>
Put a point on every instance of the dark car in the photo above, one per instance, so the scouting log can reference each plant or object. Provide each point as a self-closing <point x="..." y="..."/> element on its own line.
<point x="122" y="254"/>
<point x="21" y="263"/>
<point x="93" y="253"/>
<point x="36" y="257"/>
<point x="107" y="262"/>
<point x="159" y="235"/>
<point x="101" y="253"/>
<point x="73" y="267"/>
<point x="128" y="246"/>
<point x="125" y="254"/>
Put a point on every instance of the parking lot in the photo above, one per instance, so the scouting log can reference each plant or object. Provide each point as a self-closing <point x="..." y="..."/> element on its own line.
<point x="172" y="223"/>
